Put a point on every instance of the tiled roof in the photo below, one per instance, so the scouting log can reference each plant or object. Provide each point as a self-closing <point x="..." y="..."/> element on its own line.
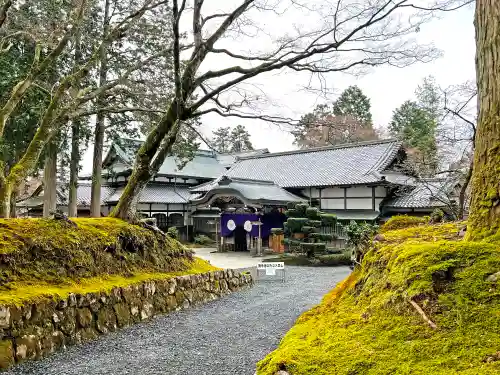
<point x="83" y="195"/>
<point x="428" y="193"/>
<point x="228" y="159"/>
<point x="204" y="164"/>
<point x="157" y="193"/>
<point x="349" y="164"/>
<point x="251" y="190"/>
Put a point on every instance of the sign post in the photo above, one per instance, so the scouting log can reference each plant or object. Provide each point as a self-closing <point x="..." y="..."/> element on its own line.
<point x="259" y="240"/>
<point x="270" y="269"/>
<point x="215" y="222"/>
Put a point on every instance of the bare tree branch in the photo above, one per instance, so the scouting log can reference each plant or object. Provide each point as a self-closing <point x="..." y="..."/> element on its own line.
<point x="176" y="50"/>
<point x="197" y="25"/>
<point x="272" y="119"/>
<point x="345" y="36"/>
<point x="94" y="111"/>
<point x="213" y="16"/>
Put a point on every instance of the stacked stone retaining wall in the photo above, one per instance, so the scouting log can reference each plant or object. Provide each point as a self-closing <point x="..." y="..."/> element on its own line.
<point x="35" y="330"/>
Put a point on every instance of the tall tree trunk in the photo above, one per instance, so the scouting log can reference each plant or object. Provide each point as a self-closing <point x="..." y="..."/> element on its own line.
<point x="50" y="180"/>
<point x="28" y="162"/>
<point x="463" y="191"/>
<point x="13" y="199"/>
<point x="95" y="198"/>
<point x="149" y="159"/>
<point x="484" y="218"/>
<point x="75" y="145"/>
<point x="74" y="164"/>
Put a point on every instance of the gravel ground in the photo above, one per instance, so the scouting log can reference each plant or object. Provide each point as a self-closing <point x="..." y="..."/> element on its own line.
<point x="228" y="336"/>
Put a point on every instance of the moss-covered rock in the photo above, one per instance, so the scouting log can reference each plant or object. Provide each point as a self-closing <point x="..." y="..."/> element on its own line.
<point x="26" y="348"/>
<point x="171" y="303"/>
<point x="106" y="320"/>
<point x="67" y="321"/>
<point x="122" y="312"/>
<point x="87" y="334"/>
<point x="6" y="354"/>
<point x="371" y="323"/>
<point x="84" y="317"/>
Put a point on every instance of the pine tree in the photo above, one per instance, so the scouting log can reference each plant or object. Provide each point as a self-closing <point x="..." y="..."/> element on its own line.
<point x="221" y="139"/>
<point x="348" y="120"/>
<point x="416" y="123"/>
<point x="240" y="139"/>
<point x="354" y="103"/>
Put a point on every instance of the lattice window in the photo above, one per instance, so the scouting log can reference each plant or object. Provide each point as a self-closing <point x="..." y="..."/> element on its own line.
<point x="161" y="221"/>
<point x="175" y="220"/>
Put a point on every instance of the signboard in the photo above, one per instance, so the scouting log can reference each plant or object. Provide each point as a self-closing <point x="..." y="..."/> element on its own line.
<point x="271" y="267"/>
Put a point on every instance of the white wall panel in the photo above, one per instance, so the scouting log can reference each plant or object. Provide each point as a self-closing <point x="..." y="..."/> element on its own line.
<point x="332" y="204"/>
<point x="332" y="192"/>
<point x="311" y="193"/>
<point x="359" y="204"/>
<point x="359" y="191"/>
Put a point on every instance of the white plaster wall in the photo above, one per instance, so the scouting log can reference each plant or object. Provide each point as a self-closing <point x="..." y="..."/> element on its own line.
<point x="332" y="204"/>
<point x="332" y="192"/>
<point x="311" y="193"/>
<point x="359" y="191"/>
<point x="378" y="201"/>
<point x="359" y="204"/>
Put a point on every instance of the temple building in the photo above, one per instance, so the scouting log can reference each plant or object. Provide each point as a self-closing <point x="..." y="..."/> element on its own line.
<point x="227" y="194"/>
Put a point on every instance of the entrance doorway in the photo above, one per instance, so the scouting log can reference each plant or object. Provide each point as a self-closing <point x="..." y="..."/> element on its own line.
<point x="240" y="239"/>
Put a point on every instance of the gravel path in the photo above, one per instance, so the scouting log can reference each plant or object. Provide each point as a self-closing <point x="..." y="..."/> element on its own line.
<point x="227" y="336"/>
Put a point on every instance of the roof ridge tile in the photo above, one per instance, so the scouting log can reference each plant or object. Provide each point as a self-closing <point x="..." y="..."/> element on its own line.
<point x="322" y="148"/>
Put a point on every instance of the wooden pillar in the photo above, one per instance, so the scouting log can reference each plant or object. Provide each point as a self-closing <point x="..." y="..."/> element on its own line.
<point x="345" y="198"/>
<point x="373" y="198"/>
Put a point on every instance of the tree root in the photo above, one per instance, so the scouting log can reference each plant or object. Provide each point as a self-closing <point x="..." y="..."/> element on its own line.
<point x="59" y="215"/>
<point x="150" y="224"/>
<point x="423" y="315"/>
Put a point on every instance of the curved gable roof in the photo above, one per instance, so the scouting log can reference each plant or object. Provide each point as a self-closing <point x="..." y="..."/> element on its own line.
<point x="204" y="164"/>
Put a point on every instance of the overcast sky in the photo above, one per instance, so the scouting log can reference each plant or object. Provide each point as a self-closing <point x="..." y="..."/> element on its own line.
<point x="387" y="87"/>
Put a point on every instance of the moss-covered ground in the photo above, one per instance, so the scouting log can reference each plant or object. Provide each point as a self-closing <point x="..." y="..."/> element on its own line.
<point x="369" y="323"/>
<point x="45" y="257"/>
<point x="53" y="250"/>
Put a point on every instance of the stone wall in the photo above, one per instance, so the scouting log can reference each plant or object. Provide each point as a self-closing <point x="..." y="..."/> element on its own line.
<point x="35" y="330"/>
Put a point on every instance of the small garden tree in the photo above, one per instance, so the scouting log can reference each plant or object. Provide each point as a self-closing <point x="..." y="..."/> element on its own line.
<point x="302" y="228"/>
<point x="359" y="236"/>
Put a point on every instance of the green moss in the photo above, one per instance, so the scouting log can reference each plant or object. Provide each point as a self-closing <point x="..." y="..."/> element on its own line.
<point x="54" y="250"/>
<point x="367" y="325"/>
<point x="403" y="221"/>
<point x="484" y="218"/>
<point x="53" y="258"/>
